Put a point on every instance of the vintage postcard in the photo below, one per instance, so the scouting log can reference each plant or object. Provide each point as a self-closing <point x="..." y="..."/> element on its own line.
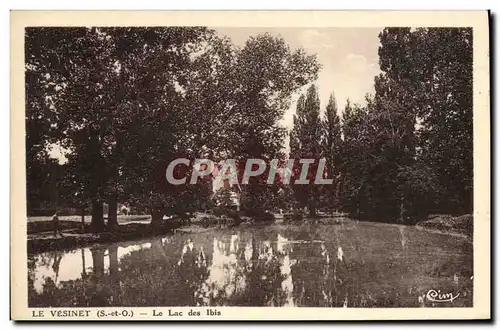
<point x="258" y="165"/>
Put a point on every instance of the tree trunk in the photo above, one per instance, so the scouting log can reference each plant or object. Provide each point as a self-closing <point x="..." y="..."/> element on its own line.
<point x="312" y="210"/>
<point x="83" y="219"/>
<point x="401" y="210"/>
<point x="97" y="222"/>
<point x="312" y="207"/>
<point x="84" y="272"/>
<point x="113" y="260"/>
<point x="157" y="217"/>
<point x="338" y="195"/>
<point x="112" y="212"/>
<point x="114" y="277"/>
<point x="98" y="261"/>
<point x="157" y="247"/>
<point x="358" y="207"/>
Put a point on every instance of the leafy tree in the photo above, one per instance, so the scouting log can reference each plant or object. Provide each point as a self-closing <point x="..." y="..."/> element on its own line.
<point x="446" y="135"/>
<point x="355" y="165"/>
<point x="37" y="138"/>
<point x="305" y="143"/>
<point x="428" y="73"/>
<point x="265" y="74"/>
<point x="107" y="81"/>
<point x="127" y="101"/>
<point x="401" y="157"/>
<point x="166" y="96"/>
<point x="332" y="149"/>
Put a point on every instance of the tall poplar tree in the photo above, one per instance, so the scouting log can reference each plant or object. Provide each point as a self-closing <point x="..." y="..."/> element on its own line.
<point x="332" y="149"/>
<point x="305" y="143"/>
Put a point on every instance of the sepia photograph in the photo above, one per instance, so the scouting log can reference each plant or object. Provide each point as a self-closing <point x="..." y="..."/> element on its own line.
<point x="204" y="166"/>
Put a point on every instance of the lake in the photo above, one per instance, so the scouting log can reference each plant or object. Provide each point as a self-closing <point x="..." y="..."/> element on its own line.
<point x="353" y="264"/>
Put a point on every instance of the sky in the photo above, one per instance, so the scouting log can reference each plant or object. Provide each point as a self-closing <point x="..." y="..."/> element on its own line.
<point x="348" y="56"/>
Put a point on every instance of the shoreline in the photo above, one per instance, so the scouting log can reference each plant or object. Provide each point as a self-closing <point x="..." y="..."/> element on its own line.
<point x="73" y="238"/>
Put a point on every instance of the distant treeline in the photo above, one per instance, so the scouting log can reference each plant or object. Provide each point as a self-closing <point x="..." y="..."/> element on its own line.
<point x="409" y="151"/>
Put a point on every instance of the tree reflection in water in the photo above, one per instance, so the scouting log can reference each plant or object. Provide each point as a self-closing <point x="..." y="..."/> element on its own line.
<point x="254" y="274"/>
<point x="298" y="266"/>
<point x="233" y="273"/>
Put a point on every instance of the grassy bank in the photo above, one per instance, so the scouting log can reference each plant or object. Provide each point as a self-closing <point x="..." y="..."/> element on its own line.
<point x="41" y="237"/>
<point x="462" y="225"/>
<point x="45" y="241"/>
<point x="43" y="224"/>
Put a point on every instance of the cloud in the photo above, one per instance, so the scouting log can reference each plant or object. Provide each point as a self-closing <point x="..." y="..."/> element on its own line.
<point x="315" y="39"/>
<point x="358" y="63"/>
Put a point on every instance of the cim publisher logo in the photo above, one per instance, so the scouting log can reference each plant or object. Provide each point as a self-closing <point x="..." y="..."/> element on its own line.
<point x="302" y="171"/>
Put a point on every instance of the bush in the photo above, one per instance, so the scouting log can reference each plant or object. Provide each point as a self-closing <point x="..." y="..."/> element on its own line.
<point x="259" y="215"/>
<point x="462" y="224"/>
<point x="465" y="224"/>
<point x="295" y="216"/>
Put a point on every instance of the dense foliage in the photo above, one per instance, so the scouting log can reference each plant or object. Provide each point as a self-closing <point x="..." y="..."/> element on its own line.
<point x="408" y="151"/>
<point x="124" y="102"/>
<point x="127" y="101"/>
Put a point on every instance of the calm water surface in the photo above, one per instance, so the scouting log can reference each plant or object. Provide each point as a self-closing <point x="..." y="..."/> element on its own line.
<point x="347" y="265"/>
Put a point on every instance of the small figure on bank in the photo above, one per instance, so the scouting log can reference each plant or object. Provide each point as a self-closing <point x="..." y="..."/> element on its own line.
<point x="55" y="223"/>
